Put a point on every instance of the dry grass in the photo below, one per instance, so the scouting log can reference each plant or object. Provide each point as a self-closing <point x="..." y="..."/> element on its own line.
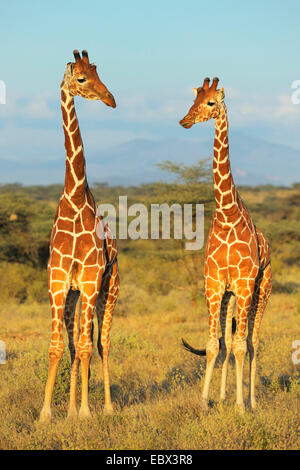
<point x="155" y="383"/>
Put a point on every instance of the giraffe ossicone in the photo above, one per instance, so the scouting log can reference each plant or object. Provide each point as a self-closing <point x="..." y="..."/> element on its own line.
<point x="237" y="259"/>
<point x="83" y="274"/>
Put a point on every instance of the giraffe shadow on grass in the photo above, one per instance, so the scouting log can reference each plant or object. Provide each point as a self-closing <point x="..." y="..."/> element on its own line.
<point x="135" y="391"/>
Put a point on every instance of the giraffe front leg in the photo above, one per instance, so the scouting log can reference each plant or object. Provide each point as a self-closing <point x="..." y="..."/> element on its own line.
<point x="105" y="308"/>
<point x="214" y="297"/>
<point x="239" y="347"/>
<point x="55" y="350"/>
<point x="89" y="297"/>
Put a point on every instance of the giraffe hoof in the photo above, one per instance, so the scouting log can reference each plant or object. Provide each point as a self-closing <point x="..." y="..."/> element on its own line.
<point x="240" y="408"/>
<point x="72" y="414"/>
<point x="108" y="410"/>
<point x="253" y="405"/>
<point x="204" y="404"/>
<point x="84" y="413"/>
<point x="45" y="416"/>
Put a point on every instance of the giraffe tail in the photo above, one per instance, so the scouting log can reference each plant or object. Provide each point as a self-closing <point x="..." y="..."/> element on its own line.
<point x="188" y="347"/>
<point x="202" y="352"/>
<point x="233" y="325"/>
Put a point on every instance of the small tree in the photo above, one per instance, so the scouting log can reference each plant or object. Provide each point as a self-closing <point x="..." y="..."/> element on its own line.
<point x="192" y="186"/>
<point x="188" y="175"/>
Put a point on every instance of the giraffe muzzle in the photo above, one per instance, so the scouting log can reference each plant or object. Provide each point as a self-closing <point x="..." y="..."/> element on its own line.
<point x="108" y="99"/>
<point x="186" y="122"/>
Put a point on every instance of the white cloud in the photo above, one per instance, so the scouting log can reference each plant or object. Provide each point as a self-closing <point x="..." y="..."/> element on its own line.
<point x="147" y="106"/>
<point x="29" y="125"/>
<point x="240" y="172"/>
<point x="263" y="109"/>
<point x="140" y="107"/>
<point x="32" y="107"/>
<point x="285" y="108"/>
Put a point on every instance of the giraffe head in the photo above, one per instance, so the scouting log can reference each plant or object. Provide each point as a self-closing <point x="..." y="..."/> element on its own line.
<point x="207" y="104"/>
<point x="81" y="78"/>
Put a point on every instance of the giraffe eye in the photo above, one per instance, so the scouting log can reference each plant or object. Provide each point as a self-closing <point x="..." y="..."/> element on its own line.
<point x="210" y="103"/>
<point x="81" y="80"/>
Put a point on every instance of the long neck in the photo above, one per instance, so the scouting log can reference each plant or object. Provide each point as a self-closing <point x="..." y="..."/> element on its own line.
<point x="75" y="177"/>
<point x="226" y="195"/>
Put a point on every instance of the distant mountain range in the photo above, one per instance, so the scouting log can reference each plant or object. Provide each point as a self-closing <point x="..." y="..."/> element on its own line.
<point x="253" y="161"/>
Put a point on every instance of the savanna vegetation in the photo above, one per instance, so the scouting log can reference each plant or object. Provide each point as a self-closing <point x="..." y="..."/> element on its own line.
<point x="155" y="383"/>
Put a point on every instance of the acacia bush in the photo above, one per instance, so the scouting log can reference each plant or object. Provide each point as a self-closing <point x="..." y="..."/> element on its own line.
<point x="22" y="283"/>
<point x="157" y="267"/>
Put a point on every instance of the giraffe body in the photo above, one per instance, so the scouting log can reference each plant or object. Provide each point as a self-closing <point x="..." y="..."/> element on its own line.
<point x="82" y="267"/>
<point x="237" y="259"/>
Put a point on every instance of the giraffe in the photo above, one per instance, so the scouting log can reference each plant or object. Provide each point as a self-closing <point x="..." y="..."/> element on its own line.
<point x="82" y="267"/>
<point x="237" y="270"/>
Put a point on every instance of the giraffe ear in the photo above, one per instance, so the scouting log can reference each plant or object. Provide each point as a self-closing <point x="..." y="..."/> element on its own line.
<point x="220" y="95"/>
<point x="70" y="67"/>
<point x="195" y="90"/>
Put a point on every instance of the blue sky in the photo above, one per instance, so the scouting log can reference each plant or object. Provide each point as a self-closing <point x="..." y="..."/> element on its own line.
<point x="150" y="55"/>
<point x="152" y="44"/>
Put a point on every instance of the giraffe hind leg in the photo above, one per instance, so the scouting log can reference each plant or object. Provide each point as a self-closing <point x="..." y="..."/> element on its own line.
<point x="104" y="308"/>
<point x="71" y="317"/>
<point x="260" y="300"/>
<point x="227" y="328"/>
